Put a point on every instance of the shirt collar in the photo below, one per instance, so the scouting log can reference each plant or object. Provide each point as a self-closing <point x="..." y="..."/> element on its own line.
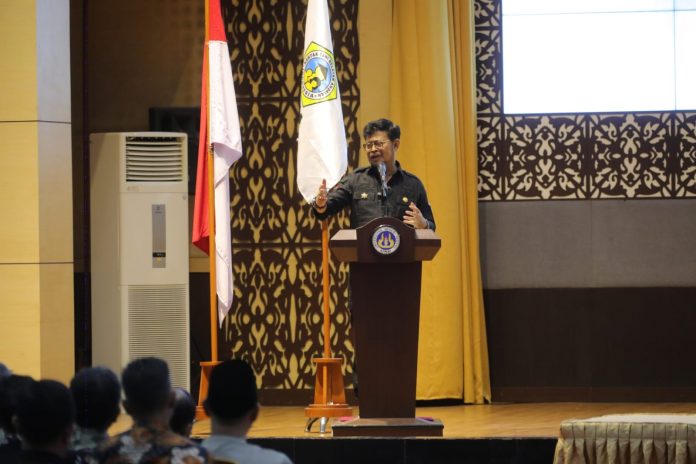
<point x="373" y="169"/>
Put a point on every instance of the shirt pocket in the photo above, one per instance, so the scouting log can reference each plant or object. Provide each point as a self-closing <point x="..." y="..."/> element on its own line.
<point x="401" y="203"/>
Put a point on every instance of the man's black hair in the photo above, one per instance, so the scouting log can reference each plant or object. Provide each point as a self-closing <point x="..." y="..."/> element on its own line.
<point x="232" y="390"/>
<point x="11" y="388"/>
<point x="184" y="412"/>
<point x="97" y="395"/>
<point x="146" y="385"/>
<point x="44" y="412"/>
<point x="382" y="125"/>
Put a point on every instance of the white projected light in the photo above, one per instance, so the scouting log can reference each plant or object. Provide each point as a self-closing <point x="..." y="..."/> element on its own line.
<point x="598" y="56"/>
<point x="685" y="33"/>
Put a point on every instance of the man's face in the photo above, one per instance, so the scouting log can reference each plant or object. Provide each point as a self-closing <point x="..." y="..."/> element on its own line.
<point x="380" y="149"/>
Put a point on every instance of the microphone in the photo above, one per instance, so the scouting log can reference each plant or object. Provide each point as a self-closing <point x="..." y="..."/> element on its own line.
<point x="382" y="168"/>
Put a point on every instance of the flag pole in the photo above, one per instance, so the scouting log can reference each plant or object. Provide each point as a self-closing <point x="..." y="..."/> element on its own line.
<point x="212" y="251"/>
<point x="211" y="257"/>
<point x="207" y="366"/>
<point x="326" y="291"/>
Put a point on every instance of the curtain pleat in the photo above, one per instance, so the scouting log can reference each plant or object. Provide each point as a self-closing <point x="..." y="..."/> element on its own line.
<point x="476" y="374"/>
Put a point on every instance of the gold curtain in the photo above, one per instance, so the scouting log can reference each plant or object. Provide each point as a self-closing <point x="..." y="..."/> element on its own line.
<point x="432" y="99"/>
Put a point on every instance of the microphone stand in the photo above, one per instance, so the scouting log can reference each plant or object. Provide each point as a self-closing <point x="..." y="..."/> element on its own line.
<point x="382" y="169"/>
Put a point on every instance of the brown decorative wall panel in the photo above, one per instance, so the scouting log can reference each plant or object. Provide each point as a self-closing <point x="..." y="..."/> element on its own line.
<point x="276" y="319"/>
<point x="487" y="16"/>
<point x="490" y="157"/>
<point x="573" y="156"/>
<point x="543" y="156"/>
<point x="631" y="155"/>
<point x="685" y="129"/>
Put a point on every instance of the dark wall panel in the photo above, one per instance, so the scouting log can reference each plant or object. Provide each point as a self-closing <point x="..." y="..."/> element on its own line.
<point x="592" y="344"/>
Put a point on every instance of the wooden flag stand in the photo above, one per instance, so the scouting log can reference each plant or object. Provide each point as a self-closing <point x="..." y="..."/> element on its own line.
<point x="206" y="369"/>
<point x="329" y="393"/>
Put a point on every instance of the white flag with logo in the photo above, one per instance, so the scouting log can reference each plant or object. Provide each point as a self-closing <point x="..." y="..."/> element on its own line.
<point x="322" y="148"/>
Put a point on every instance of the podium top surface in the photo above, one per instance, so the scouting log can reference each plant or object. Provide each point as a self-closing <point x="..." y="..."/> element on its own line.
<point x="357" y="245"/>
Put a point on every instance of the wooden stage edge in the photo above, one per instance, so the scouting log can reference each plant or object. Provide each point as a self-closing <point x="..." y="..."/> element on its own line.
<point x="514" y="420"/>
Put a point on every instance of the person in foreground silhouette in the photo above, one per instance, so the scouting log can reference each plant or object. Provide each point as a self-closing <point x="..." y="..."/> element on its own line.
<point x="97" y="395"/>
<point x="12" y="386"/>
<point x="232" y="405"/>
<point x="44" y="420"/>
<point x="184" y="413"/>
<point x="149" y="401"/>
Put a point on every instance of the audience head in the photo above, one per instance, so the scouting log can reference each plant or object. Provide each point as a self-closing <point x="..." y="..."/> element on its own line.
<point x="4" y="371"/>
<point x="45" y="414"/>
<point x="183" y="414"/>
<point x="147" y="387"/>
<point x="11" y="388"/>
<point x="232" y="392"/>
<point x="97" y="395"/>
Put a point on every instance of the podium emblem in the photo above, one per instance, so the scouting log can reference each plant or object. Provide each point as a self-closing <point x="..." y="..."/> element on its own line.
<point x="385" y="240"/>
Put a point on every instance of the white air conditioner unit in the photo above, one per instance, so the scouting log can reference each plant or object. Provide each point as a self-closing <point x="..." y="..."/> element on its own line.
<point x="139" y="250"/>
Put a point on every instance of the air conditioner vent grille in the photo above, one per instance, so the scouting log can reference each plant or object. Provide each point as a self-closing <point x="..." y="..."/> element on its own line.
<point x="154" y="159"/>
<point x="158" y="326"/>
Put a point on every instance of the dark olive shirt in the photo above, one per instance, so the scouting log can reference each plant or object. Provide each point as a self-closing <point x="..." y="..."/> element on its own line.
<point x="362" y="191"/>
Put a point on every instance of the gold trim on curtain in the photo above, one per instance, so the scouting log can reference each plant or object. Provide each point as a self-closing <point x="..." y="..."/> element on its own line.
<point x="431" y="60"/>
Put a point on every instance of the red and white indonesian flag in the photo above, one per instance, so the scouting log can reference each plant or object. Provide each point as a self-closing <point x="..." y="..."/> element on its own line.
<point x="226" y="141"/>
<point x="322" y="149"/>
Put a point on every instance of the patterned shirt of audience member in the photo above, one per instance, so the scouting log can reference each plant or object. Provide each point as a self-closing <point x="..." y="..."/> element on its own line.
<point x="150" y="444"/>
<point x="86" y="439"/>
<point x="83" y="443"/>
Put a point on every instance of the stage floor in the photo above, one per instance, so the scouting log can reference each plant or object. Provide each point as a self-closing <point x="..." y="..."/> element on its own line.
<point x="518" y="420"/>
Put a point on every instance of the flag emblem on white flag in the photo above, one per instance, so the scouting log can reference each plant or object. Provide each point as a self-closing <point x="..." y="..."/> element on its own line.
<point x="319" y="72"/>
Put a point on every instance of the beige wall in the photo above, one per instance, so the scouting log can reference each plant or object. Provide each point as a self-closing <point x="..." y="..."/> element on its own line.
<point x="141" y="54"/>
<point x="36" y="255"/>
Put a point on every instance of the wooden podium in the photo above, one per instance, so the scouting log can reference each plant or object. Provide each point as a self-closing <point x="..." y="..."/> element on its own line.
<point x="385" y="259"/>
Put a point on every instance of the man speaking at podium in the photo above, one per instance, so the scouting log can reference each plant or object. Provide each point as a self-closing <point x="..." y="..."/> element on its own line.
<point x="381" y="189"/>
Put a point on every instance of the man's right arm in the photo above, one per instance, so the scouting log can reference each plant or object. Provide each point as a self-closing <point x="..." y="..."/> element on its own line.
<point x="327" y="203"/>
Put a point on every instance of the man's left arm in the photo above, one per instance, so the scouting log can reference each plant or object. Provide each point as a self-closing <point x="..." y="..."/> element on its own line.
<point x="426" y="210"/>
<point x="420" y="213"/>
